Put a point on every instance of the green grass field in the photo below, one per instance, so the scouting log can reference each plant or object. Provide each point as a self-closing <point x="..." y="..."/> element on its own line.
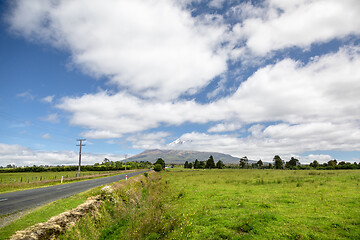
<point x="232" y="204"/>
<point x="267" y="204"/>
<point x="27" y="180"/>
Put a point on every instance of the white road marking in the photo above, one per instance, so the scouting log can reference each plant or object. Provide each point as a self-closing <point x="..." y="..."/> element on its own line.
<point x="3" y="199"/>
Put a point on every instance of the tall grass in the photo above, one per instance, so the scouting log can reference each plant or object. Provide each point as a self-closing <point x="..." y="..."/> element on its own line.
<point x="136" y="210"/>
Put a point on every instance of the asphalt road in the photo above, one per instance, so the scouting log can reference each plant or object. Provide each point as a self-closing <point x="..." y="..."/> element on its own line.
<point x="21" y="200"/>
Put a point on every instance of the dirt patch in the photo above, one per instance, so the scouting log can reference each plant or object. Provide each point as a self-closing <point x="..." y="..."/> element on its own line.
<point x="58" y="224"/>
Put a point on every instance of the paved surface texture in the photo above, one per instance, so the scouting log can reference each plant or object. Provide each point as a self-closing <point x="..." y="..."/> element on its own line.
<point x="21" y="200"/>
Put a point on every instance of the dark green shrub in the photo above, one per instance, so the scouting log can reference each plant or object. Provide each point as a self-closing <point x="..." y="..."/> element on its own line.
<point x="157" y="167"/>
<point x="161" y="162"/>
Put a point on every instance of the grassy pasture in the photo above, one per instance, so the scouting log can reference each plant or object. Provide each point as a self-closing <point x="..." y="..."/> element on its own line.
<point x="27" y="180"/>
<point x="266" y="204"/>
<point x="231" y="204"/>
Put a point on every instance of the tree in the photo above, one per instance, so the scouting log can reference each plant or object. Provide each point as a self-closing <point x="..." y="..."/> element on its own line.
<point x="158" y="167"/>
<point x="332" y="163"/>
<point x="190" y="165"/>
<point x="161" y="162"/>
<point x="118" y="164"/>
<point x="196" y="164"/>
<point x="210" y="163"/>
<point x="314" y="164"/>
<point x="202" y="164"/>
<point x="260" y="163"/>
<point x="292" y="163"/>
<point x="220" y="164"/>
<point x="278" y="162"/>
<point x="186" y="164"/>
<point x="244" y="162"/>
<point x="106" y="162"/>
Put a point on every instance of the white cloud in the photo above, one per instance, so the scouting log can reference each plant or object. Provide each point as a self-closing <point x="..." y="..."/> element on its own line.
<point x="321" y="158"/>
<point x="155" y="51"/>
<point x="316" y="103"/>
<point x="253" y="147"/>
<point x="299" y="23"/>
<point x="216" y="3"/>
<point x="225" y="127"/>
<point x="149" y="140"/>
<point x="101" y="134"/>
<point x="221" y="87"/>
<point x="121" y="113"/>
<point x="154" y="48"/>
<point x="325" y="90"/>
<point x="246" y="10"/>
<point x="23" y="156"/>
<point x="48" y="99"/>
<point x="52" y="118"/>
<point x="26" y="95"/>
<point x="46" y="136"/>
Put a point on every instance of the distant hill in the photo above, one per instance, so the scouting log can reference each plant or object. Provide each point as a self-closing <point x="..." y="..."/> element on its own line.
<point x="180" y="156"/>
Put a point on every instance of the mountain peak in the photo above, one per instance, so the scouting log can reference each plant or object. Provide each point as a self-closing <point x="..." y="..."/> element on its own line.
<point x="180" y="156"/>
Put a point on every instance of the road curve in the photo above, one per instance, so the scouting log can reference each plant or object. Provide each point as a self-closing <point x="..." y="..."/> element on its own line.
<point x="21" y="200"/>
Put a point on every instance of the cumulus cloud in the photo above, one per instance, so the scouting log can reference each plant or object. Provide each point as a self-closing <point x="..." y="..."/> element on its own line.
<point x="297" y="23"/>
<point x="23" y="156"/>
<point x="121" y="113"/>
<point x="225" y="127"/>
<point x="325" y="89"/>
<point x="101" y="134"/>
<point x="154" y="48"/>
<point x="316" y="102"/>
<point x="253" y="147"/>
<point x="149" y="140"/>
<point x="157" y="52"/>
<point x="48" y="99"/>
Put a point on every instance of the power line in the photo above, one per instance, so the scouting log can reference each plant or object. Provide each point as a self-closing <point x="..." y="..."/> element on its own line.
<point x="80" y="145"/>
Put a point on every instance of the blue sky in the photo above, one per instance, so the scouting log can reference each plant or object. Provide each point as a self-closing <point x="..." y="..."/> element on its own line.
<point x="254" y="78"/>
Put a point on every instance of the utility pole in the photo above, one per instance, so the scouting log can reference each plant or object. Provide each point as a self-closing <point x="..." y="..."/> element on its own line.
<point x="125" y="161"/>
<point x="80" y="145"/>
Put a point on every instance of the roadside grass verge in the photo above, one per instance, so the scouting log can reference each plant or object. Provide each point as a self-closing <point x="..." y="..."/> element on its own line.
<point x="43" y="213"/>
<point x="11" y="182"/>
<point x="135" y="210"/>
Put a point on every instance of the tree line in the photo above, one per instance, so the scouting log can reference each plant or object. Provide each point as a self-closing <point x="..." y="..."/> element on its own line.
<point x="106" y="165"/>
<point x="210" y="163"/>
<point x="278" y="163"/>
<point x="294" y="164"/>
